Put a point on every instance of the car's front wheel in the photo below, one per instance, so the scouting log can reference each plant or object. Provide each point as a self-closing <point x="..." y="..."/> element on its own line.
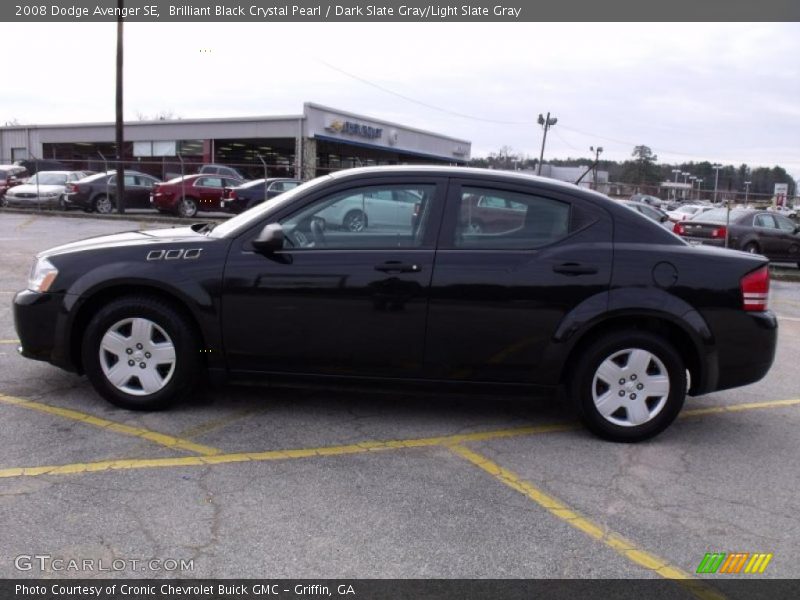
<point x="141" y="353"/>
<point x="629" y="385"/>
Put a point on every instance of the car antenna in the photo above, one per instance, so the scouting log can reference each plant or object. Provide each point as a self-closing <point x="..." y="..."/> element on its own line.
<point x="592" y="166"/>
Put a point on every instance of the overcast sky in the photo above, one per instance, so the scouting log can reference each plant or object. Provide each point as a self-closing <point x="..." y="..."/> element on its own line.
<point x="719" y="92"/>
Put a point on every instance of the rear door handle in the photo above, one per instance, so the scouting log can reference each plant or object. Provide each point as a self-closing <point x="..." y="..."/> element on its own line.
<point x="395" y="266"/>
<point x="572" y="268"/>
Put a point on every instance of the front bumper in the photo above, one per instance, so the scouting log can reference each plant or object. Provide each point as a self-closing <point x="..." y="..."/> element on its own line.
<point x="40" y="323"/>
<point x="32" y="202"/>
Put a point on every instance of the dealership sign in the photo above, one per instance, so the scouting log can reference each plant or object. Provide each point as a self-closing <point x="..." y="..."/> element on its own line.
<point x="353" y="128"/>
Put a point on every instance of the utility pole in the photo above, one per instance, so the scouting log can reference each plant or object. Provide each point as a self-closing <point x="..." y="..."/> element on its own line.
<point x="546" y="123"/>
<point x="597" y="151"/>
<point x="119" y="124"/>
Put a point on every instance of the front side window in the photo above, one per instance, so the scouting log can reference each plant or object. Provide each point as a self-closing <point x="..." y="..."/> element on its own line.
<point x="369" y="217"/>
<point x="785" y="224"/>
<point x="503" y="220"/>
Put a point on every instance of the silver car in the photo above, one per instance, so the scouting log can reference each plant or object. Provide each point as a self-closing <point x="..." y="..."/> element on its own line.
<point x="45" y="189"/>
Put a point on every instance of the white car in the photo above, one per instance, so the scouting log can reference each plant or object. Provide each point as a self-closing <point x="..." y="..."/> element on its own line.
<point x="387" y="209"/>
<point x="686" y="211"/>
<point x="45" y="189"/>
<point x="786" y="211"/>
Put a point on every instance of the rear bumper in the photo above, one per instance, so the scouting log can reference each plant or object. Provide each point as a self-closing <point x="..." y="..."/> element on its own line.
<point x="718" y="242"/>
<point x="40" y="321"/>
<point x="745" y="347"/>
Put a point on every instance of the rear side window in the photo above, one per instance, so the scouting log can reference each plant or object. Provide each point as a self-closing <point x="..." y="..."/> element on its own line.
<point x="765" y="221"/>
<point x="505" y="220"/>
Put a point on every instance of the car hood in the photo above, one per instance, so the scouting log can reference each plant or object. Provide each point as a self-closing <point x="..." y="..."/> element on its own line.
<point x="27" y="188"/>
<point x="173" y="235"/>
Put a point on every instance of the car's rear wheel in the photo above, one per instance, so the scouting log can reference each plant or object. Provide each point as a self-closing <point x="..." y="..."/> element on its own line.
<point x="187" y="207"/>
<point x="103" y="205"/>
<point x="752" y="248"/>
<point x="140" y="353"/>
<point x="355" y="220"/>
<point x="629" y="385"/>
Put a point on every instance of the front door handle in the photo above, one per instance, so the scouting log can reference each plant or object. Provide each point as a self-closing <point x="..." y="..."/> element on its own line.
<point x="572" y="268"/>
<point x="395" y="266"/>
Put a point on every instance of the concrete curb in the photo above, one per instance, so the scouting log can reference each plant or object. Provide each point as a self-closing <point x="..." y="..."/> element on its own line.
<point x="784" y="274"/>
<point x="141" y="217"/>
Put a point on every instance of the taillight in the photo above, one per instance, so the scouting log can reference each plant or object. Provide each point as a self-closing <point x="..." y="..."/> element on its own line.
<point x="719" y="232"/>
<point x="755" y="289"/>
<point x="73" y="188"/>
<point x="679" y="228"/>
<point x="232" y="195"/>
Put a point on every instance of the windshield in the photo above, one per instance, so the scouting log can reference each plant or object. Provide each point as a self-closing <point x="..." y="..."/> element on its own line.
<point x="249" y="217"/>
<point x="720" y="215"/>
<point x="48" y="178"/>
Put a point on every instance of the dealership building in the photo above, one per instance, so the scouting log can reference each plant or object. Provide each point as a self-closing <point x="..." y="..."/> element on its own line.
<point x="316" y="142"/>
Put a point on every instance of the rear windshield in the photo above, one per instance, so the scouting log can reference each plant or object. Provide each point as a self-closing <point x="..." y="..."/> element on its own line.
<point x="720" y="215"/>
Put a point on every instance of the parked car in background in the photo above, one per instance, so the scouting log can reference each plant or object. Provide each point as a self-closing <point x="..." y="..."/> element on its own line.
<point x="386" y="209"/>
<point x="686" y="211"/>
<point x="44" y="190"/>
<point x="98" y="192"/>
<point x="45" y="164"/>
<point x="184" y="196"/>
<point x="11" y="175"/>
<point x="252" y="193"/>
<point x="754" y="231"/>
<point x="491" y="214"/>
<point x="223" y="170"/>
<point x="648" y="199"/>
<point x="786" y="211"/>
<point x="586" y="296"/>
<point x="651" y="212"/>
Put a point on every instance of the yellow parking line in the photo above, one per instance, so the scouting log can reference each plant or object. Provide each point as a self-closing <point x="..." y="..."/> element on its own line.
<point x="621" y="545"/>
<point x="713" y="410"/>
<point x="146" y="434"/>
<point x="362" y="447"/>
<point x="9" y="341"/>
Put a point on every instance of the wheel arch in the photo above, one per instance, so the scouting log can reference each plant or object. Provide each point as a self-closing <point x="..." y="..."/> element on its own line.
<point x="103" y="296"/>
<point x="688" y="345"/>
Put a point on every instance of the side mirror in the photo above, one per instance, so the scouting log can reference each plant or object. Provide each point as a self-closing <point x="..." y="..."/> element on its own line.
<point x="270" y="239"/>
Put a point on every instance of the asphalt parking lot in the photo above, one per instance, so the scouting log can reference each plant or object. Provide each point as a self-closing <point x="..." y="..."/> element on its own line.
<point x="250" y="481"/>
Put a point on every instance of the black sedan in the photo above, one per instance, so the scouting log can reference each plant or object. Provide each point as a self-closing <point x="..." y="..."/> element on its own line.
<point x="579" y="294"/>
<point x="98" y="192"/>
<point x="759" y="232"/>
<point x="252" y="193"/>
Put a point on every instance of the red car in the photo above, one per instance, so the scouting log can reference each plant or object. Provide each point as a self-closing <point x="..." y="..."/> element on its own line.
<point x="185" y="196"/>
<point x="11" y="175"/>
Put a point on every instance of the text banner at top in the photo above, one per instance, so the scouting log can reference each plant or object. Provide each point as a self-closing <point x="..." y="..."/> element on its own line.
<point x="407" y="10"/>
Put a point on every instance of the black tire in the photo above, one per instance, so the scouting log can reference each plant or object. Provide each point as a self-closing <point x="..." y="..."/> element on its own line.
<point x="170" y="327"/>
<point x="617" y="348"/>
<point x="355" y="220"/>
<point x="187" y="207"/>
<point x="102" y="205"/>
<point x="752" y="248"/>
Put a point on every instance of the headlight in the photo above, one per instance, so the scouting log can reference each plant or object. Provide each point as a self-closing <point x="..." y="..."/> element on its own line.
<point x="43" y="273"/>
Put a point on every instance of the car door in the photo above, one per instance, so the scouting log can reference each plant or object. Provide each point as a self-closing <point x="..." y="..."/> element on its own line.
<point x="789" y="238"/>
<point x="768" y="234"/>
<point x="208" y="190"/>
<point x="499" y="293"/>
<point x="334" y="301"/>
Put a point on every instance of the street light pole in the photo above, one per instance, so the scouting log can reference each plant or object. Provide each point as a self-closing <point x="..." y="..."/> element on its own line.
<point x="699" y="181"/>
<point x="746" y="190"/>
<point x="546" y="123"/>
<point x="716" y="168"/>
<point x="675" y="189"/>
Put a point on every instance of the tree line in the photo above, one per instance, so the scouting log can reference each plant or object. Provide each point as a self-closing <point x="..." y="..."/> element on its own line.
<point x="643" y="169"/>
